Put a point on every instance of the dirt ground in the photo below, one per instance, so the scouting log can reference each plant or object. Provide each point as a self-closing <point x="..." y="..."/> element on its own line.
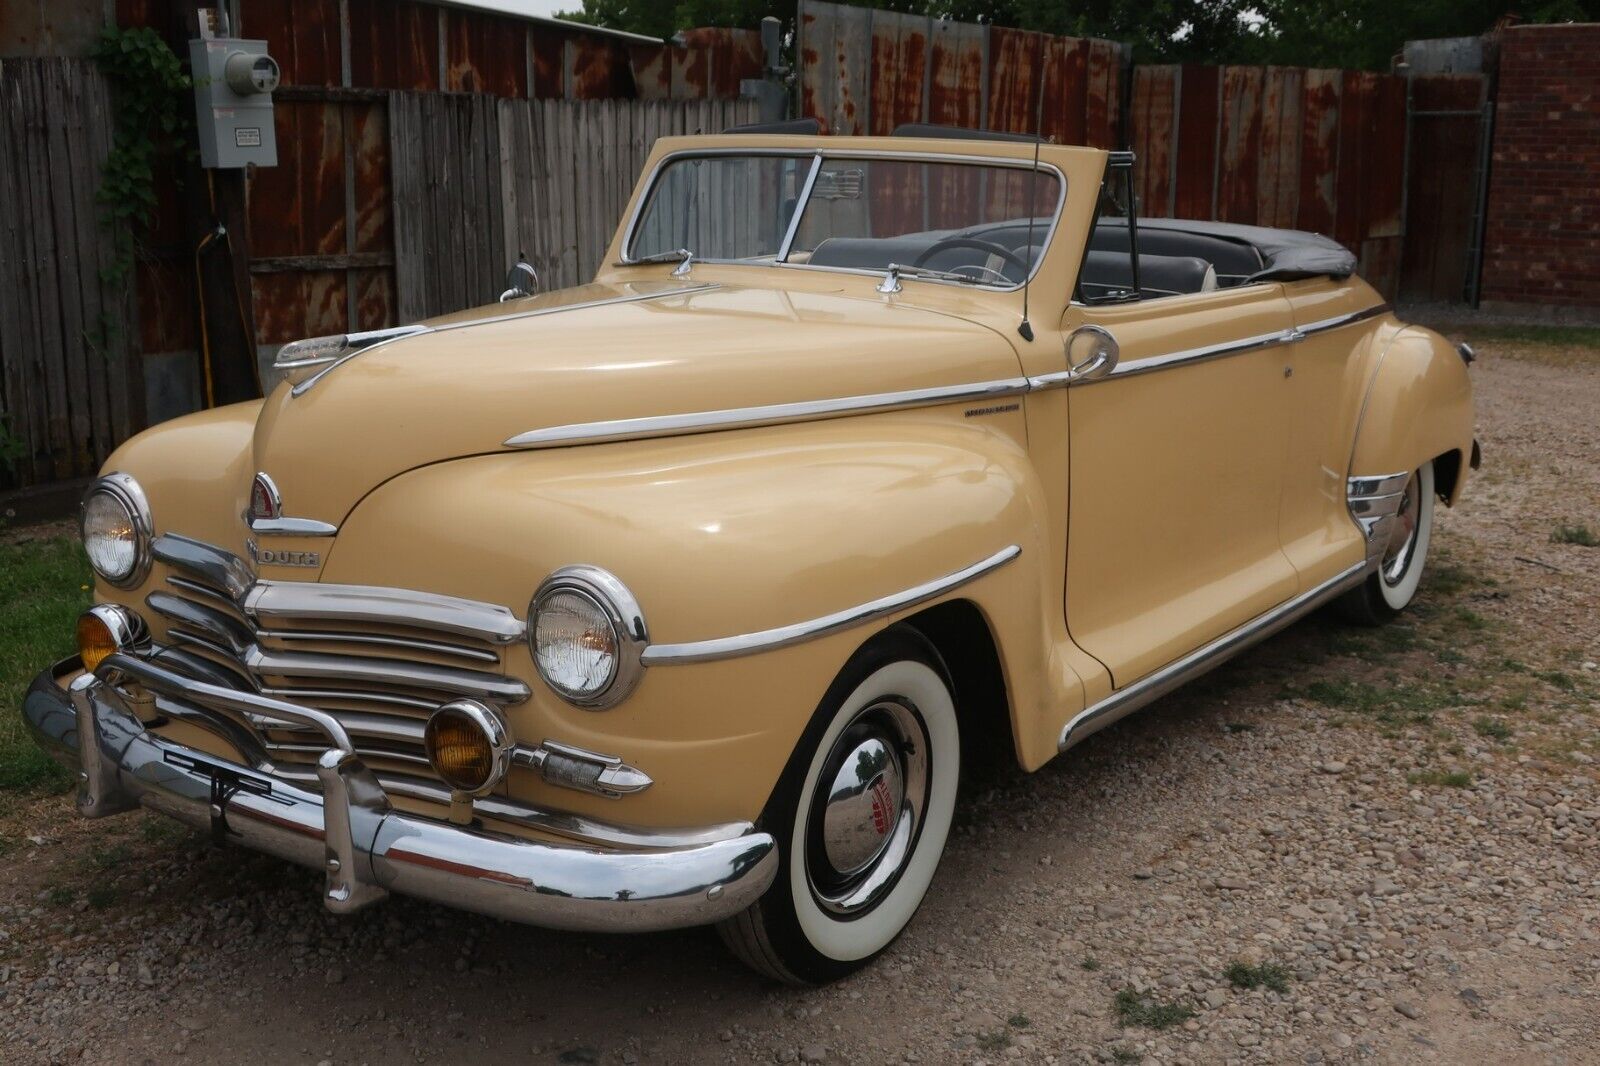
<point x="1399" y="829"/>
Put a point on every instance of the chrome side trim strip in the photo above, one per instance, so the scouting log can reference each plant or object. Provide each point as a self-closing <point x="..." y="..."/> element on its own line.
<point x="769" y="415"/>
<point x="1198" y="355"/>
<point x="1127" y="700"/>
<point x="681" y="290"/>
<point x="784" y="636"/>
<point x="1325" y="324"/>
<point x="292" y="527"/>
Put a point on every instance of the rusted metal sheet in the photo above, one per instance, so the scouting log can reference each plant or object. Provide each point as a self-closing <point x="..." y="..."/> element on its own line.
<point x="1154" y="128"/>
<point x="302" y="35"/>
<point x="1237" y="169"/>
<point x="1321" y="92"/>
<point x="367" y="130"/>
<point x="394" y="44"/>
<point x="900" y="67"/>
<point x="955" y="74"/>
<point x="297" y="207"/>
<point x="485" y="53"/>
<point x="31" y="28"/>
<point x="1386" y="148"/>
<point x="1015" y="62"/>
<point x="1278" y="165"/>
<point x="548" y="48"/>
<point x="1379" y="264"/>
<point x="1199" y="117"/>
<point x="834" y="66"/>
<point x="1103" y="95"/>
<point x="1066" y="90"/>
<point x="730" y="55"/>
<point x="596" y="68"/>
<point x="294" y="304"/>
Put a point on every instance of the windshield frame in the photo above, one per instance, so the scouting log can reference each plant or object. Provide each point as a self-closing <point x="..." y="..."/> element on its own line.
<point x="818" y="157"/>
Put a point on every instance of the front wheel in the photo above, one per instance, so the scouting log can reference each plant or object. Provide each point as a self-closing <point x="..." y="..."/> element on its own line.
<point x="861" y="815"/>
<point x="1391" y="587"/>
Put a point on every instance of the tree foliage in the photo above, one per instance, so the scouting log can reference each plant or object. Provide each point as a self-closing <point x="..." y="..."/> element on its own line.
<point x="1355" y="34"/>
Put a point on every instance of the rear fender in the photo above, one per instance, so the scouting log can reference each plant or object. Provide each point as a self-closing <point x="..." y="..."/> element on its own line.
<point x="1418" y="407"/>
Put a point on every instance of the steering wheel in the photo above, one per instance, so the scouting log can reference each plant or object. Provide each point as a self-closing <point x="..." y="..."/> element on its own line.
<point x="1007" y="255"/>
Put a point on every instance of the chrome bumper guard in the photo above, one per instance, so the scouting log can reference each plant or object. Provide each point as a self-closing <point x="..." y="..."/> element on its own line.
<point x="365" y="847"/>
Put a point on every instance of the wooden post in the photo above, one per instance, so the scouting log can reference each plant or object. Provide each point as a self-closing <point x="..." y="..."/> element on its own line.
<point x="217" y="225"/>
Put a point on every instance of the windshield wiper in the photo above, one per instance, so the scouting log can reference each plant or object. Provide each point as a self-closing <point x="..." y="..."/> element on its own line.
<point x="891" y="277"/>
<point x="682" y="256"/>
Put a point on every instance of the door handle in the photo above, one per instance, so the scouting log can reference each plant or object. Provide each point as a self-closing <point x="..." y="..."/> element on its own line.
<point x="1092" y="353"/>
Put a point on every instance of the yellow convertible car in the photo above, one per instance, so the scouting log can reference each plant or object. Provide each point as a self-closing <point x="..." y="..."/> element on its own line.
<point x="674" y="598"/>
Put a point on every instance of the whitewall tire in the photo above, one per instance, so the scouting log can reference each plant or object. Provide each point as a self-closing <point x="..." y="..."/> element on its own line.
<point x="861" y="814"/>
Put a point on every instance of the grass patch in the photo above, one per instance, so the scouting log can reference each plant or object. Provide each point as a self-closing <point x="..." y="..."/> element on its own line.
<point x="1493" y="728"/>
<point x="1581" y="535"/>
<point x="1124" y="1054"/>
<point x="1146" y="1012"/>
<point x="1392" y="705"/>
<point x="44" y="586"/>
<point x="1089" y="962"/>
<point x="1019" y="1021"/>
<point x="1561" y="680"/>
<point x="1267" y="975"/>
<point x="1441" y="778"/>
<point x="1562" y="336"/>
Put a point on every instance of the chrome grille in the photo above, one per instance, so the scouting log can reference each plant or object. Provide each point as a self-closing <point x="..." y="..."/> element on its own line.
<point x="379" y="659"/>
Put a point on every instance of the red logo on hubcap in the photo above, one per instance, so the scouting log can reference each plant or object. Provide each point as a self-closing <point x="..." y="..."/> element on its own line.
<point x="881" y="804"/>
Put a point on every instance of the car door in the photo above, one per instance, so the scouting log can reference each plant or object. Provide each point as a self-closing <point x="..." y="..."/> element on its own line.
<point x="1176" y="462"/>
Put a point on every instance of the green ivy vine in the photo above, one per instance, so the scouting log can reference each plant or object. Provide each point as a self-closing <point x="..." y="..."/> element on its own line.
<point x="152" y="114"/>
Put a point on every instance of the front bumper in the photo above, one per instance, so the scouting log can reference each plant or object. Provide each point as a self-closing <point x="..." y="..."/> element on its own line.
<point x="365" y="847"/>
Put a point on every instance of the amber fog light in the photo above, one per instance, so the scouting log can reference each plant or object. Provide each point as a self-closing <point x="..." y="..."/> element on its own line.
<point x="106" y="628"/>
<point x="468" y="746"/>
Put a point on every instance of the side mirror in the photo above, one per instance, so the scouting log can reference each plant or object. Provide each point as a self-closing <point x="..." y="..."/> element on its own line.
<point x="521" y="280"/>
<point x="1092" y="353"/>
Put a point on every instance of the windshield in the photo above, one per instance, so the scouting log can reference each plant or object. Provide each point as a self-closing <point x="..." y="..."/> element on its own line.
<point x="972" y="223"/>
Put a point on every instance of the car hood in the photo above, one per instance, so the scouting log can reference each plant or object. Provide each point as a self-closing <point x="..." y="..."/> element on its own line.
<point x="597" y="353"/>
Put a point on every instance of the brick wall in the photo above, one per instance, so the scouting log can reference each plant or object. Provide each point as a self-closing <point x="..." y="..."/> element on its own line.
<point x="1542" y="244"/>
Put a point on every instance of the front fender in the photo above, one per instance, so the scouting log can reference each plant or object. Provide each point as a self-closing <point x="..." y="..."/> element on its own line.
<point x="718" y="535"/>
<point x="1418" y="407"/>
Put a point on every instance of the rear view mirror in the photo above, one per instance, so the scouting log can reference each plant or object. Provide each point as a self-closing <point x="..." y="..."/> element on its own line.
<point x="521" y="280"/>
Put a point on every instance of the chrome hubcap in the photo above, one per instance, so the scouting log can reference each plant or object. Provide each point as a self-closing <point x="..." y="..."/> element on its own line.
<point x="867" y="810"/>
<point x="1402" y="535"/>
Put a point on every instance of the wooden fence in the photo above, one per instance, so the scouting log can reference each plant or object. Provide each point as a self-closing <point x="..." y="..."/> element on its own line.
<point x="70" y="385"/>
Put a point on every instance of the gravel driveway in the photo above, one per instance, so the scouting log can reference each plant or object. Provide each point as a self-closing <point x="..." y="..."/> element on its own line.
<point x="1392" y="835"/>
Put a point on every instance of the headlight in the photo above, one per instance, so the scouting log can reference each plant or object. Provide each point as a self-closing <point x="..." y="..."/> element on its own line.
<point x="587" y="633"/>
<point x="117" y="530"/>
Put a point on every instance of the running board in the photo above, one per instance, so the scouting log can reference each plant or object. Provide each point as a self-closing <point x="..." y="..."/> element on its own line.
<point x="1169" y="677"/>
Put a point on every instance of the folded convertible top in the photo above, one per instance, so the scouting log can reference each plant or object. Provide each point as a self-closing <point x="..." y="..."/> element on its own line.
<point x="1287" y="254"/>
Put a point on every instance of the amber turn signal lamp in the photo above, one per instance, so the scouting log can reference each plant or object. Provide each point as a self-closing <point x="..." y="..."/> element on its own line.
<point x="106" y="628"/>
<point x="468" y="746"/>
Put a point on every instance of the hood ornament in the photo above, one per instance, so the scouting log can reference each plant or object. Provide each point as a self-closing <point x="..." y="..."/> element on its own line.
<point x="265" y="515"/>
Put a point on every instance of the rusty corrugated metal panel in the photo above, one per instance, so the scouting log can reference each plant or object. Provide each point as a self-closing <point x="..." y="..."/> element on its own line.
<point x="1199" y="104"/>
<point x="166" y="305"/>
<point x="549" y="59"/>
<point x="1103" y="99"/>
<point x="1154" y="122"/>
<point x="297" y="207"/>
<point x="834" y="58"/>
<point x="731" y="54"/>
<point x="1440" y="195"/>
<point x="1015" y="61"/>
<point x="596" y="68"/>
<point x="1352" y="180"/>
<point x="1237" y="171"/>
<point x="691" y="74"/>
<point x="955" y="74"/>
<point x="1278" y="164"/>
<point x="394" y="44"/>
<point x="485" y="53"/>
<point x="1386" y="145"/>
<point x="375" y="299"/>
<point x="899" y="66"/>
<point x="652" y="70"/>
<point x="1066" y="91"/>
<point x="298" y="304"/>
<point x="302" y="35"/>
<point x="1379" y="264"/>
<point x="367" y="127"/>
<point x="1319" y="150"/>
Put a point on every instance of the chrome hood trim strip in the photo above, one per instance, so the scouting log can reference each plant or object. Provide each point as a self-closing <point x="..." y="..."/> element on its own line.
<point x="784" y="636"/>
<point x="768" y="415"/>
<point x="418" y="331"/>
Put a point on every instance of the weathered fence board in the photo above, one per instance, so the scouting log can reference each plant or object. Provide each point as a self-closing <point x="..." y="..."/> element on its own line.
<point x="1447" y="123"/>
<point x="71" y="387"/>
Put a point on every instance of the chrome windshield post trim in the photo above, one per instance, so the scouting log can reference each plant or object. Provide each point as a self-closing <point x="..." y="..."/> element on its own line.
<point x="769" y="415"/>
<point x="1151" y="687"/>
<point x="799" y="632"/>
<point x="801" y="201"/>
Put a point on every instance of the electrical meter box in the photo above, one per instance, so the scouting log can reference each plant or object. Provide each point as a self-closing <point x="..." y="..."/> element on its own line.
<point x="233" y="84"/>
